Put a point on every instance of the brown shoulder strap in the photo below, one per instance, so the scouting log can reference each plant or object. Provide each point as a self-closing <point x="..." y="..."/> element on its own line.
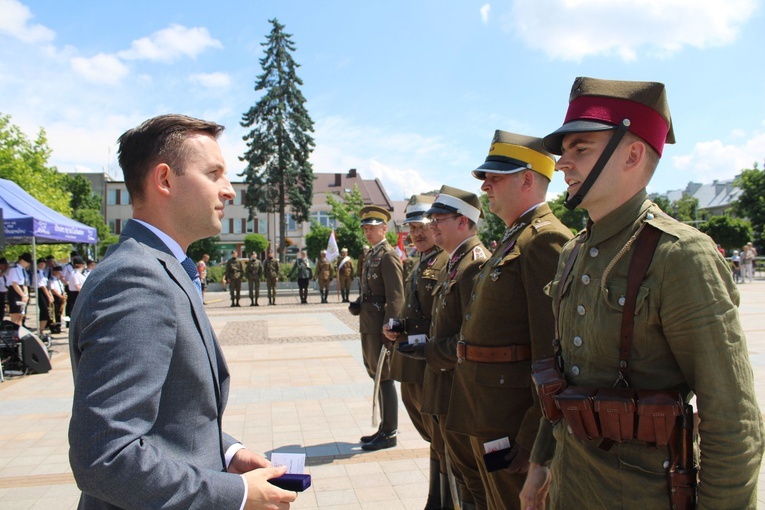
<point x="645" y="246"/>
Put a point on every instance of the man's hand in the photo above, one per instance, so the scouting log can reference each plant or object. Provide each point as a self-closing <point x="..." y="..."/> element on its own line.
<point x="534" y="493"/>
<point x="261" y="495"/>
<point x="245" y="460"/>
<point x="414" y="351"/>
<point x="519" y="459"/>
<point x="390" y="335"/>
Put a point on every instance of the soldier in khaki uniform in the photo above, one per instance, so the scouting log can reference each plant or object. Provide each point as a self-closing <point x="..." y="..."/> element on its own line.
<point x="345" y="275"/>
<point x="453" y="215"/>
<point x="686" y="336"/>
<point x="415" y="324"/>
<point x="254" y="271"/>
<point x="234" y="274"/>
<point x="324" y="275"/>
<point x="382" y="299"/>
<point x="510" y="317"/>
<point x="271" y="272"/>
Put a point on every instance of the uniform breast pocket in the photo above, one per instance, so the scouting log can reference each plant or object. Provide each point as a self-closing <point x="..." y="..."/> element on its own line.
<point x="504" y="375"/>
<point x="556" y="287"/>
<point x="615" y="297"/>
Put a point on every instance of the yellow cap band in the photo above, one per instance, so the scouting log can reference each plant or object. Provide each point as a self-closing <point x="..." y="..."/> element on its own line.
<point x="375" y="214"/>
<point x="539" y="162"/>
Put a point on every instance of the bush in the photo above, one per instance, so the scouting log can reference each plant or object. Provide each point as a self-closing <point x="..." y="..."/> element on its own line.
<point x="215" y="273"/>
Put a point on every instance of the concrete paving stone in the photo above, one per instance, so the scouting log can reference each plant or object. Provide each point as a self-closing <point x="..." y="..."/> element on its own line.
<point x="375" y="493"/>
<point x="337" y="498"/>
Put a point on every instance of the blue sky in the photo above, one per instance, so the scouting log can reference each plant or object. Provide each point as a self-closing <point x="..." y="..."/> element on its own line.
<point x="407" y="91"/>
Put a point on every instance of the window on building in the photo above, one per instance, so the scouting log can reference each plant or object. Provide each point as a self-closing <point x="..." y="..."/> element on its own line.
<point x="115" y="227"/>
<point x="250" y="227"/>
<point x="323" y="219"/>
<point x="238" y="224"/>
<point x="291" y="223"/>
<point x="113" y="197"/>
<point x="262" y="226"/>
<point x="241" y="196"/>
<point x="226" y="226"/>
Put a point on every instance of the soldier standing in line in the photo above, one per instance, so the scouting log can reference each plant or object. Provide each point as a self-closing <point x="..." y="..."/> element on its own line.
<point x="234" y="274"/>
<point x="324" y="275"/>
<point x="271" y="272"/>
<point x="345" y="275"/>
<point x="509" y="321"/>
<point x="382" y="299"/>
<point x="667" y="329"/>
<point x="254" y="272"/>
<point x="453" y="217"/>
<point x="414" y="327"/>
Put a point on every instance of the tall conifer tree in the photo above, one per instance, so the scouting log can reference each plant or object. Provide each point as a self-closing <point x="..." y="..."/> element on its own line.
<point x="278" y="174"/>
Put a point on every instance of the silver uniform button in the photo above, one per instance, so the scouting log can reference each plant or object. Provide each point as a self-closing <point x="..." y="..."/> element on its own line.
<point x="475" y="296"/>
<point x="586" y="279"/>
<point x="578" y="341"/>
<point x="580" y="310"/>
<point x="575" y="370"/>
<point x="594" y="252"/>
<point x="468" y="316"/>
<point x="622" y="300"/>
<point x="666" y="464"/>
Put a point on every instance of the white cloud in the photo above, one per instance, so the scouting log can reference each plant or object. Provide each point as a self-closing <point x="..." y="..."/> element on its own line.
<point x="485" y="8"/>
<point x="102" y="68"/>
<point x="574" y="29"/>
<point x="714" y="160"/>
<point x="170" y="44"/>
<point x="15" y="22"/>
<point x="211" y="80"/>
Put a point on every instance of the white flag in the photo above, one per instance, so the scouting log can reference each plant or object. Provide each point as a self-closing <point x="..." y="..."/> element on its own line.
<point x="332" y="251"/>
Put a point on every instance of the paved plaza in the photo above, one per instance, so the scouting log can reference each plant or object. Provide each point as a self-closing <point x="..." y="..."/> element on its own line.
<point x="298" y="385"/>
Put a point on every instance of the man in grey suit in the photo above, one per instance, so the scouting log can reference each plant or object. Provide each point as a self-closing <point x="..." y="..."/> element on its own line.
<point x="150" y="379"/>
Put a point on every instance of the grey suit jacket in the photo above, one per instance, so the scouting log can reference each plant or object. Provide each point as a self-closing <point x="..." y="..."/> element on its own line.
<point x="150" y="388"/>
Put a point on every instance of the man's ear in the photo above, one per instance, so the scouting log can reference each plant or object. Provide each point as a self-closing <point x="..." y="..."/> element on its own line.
<point x="160" y="178"/>
<point x="636" y="154"/>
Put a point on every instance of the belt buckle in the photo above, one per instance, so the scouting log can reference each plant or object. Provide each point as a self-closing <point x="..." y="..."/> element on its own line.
<point x="463" y="343"/>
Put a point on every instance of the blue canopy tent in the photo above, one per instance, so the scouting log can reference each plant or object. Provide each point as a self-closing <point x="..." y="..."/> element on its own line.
<point x="27" y="221"/>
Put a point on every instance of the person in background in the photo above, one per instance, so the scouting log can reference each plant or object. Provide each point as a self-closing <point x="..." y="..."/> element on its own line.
<point x="302" y="268"/>
<point x="234" y="275"/>
<point x="18" y="293"/>
<point x="3" y="286"/>
<point x="271" y="272"/>
<point x="324" y="275"/>
<point x="74" y="283"/>
<point x="58" y="291"/>
<point x="44" y="296"/>
<point x="254" y="271"/>
<point x="202" y="270"/>
<point x="345" y="275"/>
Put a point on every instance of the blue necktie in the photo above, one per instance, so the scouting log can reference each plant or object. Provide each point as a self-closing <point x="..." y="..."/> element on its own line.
<point x="191" y="270"/>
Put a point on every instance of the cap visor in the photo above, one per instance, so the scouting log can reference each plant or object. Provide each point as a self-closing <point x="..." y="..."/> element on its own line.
<point x="372" y="221"/>
<point x="438" y="210"/>
<point x="554" y="141"/>
<point x="420" y="218"/>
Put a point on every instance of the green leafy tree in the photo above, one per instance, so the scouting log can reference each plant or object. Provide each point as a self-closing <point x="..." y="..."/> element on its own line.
<point x="317" y="239"/>
<point x="751" y="202"/>
<point x="86" y="206"/>
<point x="208" y="245"/>
<point x="663" y="203"/>
<point x="278" y="174"/>
<point x="348" y="232"/>
<point x="25" y="162"/>
<point x="730" y="233"/>
<point x="686" y="209"/>
<point x="255" y="243"/>
<point x="492" y="226"/>
<point x="576" y="220"/>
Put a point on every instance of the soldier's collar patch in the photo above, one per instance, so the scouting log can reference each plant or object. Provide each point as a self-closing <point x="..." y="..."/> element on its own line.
<point x="478" y="253"/>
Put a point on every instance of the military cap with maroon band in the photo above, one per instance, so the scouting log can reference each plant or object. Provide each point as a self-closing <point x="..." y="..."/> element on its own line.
<point x="601" y="105"/>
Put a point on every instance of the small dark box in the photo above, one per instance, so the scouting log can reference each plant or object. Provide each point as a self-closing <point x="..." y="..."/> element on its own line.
<point x="292" y="482"/>
<point x="495" y="461"/>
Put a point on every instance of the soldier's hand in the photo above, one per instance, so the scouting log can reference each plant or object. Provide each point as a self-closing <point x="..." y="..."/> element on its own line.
<point x="390" y="335"/>
<point x="534" y="492"/>
<point x="414" y="351"/>
<point x="519" y="459"/>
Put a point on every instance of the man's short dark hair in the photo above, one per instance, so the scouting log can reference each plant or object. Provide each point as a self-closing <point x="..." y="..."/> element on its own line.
<point x="157" y="140"/>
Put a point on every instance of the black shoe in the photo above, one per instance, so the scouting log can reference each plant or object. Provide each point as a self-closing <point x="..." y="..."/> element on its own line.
<point x="381" y="442"/>
<point x="232" y="305"/>
<point x="370" y="437"/>
<point x="256" y="304"/>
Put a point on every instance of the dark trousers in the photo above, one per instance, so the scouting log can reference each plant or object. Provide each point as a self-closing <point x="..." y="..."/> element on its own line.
<point x="254" y="288"/>
<point x="303" y="288"/>
<point x="2" y="305"/>
<point x="235" y="289"/>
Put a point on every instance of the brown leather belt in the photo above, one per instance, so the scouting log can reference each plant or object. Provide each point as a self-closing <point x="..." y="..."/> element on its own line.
<point x="504" y="354"/>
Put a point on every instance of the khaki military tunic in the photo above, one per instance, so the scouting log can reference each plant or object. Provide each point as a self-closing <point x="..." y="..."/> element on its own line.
<point x="452" y="296"/>
<point x="508" y="306"/>
<point x="345" y="273"/>
<point x="253" y="271"/>
<point x="410" y="372"/>
<point x="687" y="337"/>
<point x="234" y="274"/>
<point x="324" y="273"/>
<point x="271" y="272"/>
<point x="382" y="298"/>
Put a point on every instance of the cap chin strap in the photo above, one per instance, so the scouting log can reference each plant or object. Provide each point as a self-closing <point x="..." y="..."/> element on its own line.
<point x="572" y="203"/>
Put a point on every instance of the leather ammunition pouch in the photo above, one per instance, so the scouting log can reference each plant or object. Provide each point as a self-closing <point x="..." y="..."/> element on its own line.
<point x="615" y="408"/>
<point x="657" y="413"/>
<point x="549" y="382"/>
<point x="577" y="405"/>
